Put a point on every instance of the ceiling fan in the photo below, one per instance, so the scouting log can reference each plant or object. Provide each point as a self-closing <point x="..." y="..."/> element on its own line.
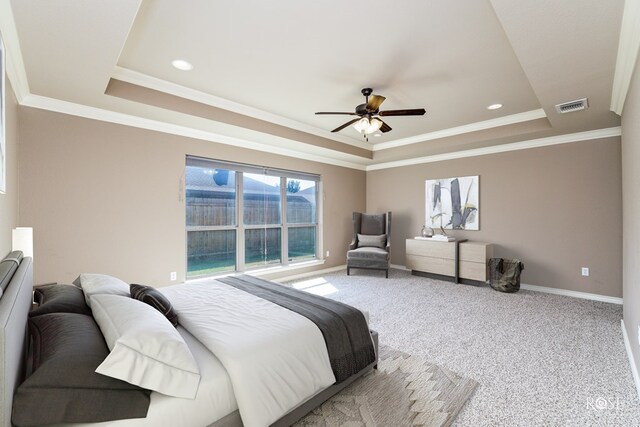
<point x="369" y="114"/>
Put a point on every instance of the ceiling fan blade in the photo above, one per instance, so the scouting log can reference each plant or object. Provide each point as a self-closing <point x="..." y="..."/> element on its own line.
<point x="413" y="112"/>
<point x="385" y="127"/>
<point x="375" y="102"/>
<point x="349" y="123"/>
<point x="336" y="112"/>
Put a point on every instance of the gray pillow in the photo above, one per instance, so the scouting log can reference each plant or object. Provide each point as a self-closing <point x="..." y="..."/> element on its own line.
<point x="155" y="299"/>
<point x="64" y="388"/>
<point x="59" y="299"/>
<point x="366" y="241"/>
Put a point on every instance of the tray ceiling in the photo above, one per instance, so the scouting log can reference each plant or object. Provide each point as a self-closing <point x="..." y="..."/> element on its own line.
<point x="281" y="62"/>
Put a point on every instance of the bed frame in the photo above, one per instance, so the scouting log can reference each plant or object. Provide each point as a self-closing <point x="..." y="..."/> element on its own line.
<point x="15" y="304"/>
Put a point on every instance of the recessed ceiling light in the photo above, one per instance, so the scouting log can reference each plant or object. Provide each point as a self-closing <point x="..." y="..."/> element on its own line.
<point x="494" y="106"/>
<point x="377" y="134"/>
<point x="181" y="64"/>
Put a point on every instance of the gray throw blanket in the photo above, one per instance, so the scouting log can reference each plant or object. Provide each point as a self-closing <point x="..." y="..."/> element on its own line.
<point x="344" y="328"/>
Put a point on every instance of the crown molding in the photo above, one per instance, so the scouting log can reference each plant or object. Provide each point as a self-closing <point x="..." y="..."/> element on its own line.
<point x="471" y="127"/>
<point x="628" y="46"/>
<point x="521" y="145"/>
<point x="312" y="153"/>
<point x="150" y="82"/>
<point x="16" y="71"/>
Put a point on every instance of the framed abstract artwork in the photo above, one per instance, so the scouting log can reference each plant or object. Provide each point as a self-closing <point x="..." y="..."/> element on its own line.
<point x="453" y="203"/>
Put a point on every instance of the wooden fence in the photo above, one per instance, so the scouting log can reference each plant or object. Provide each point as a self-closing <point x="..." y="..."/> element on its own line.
<point x="213" y="212"/>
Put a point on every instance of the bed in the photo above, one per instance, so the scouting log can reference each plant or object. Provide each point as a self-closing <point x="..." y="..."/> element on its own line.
<point x="219" y="393"/>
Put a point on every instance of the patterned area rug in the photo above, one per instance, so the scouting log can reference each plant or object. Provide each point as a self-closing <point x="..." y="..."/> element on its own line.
<point x="404" y="391"/>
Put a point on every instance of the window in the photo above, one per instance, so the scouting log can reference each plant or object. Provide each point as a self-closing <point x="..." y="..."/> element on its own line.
<point x="261" y="212"/>
<point x="211" y="220"/>
<point x="301" y="219"/>
<point x="241" y="217"/>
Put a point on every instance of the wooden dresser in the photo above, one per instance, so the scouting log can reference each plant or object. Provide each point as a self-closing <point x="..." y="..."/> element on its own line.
<point x="457" y="260"/>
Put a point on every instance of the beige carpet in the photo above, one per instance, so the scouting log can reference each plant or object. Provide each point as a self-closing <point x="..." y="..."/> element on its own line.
<point x="404" y="391"/>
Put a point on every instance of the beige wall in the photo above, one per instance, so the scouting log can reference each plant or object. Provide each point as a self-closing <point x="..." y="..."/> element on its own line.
<point x="557" y="208"/>
<point x="9" y="200"/>
<point x="631" y="213"/>
<point x="109" y="198"/>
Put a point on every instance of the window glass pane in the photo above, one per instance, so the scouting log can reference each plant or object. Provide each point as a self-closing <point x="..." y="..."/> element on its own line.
<point x="262" y="246"/>
<point x="301" y="201"/>
<point x="261" y="198"/>
<point x="302" y="243"/>
<point x="210" y="252"/>
<point x="211" y="196"/>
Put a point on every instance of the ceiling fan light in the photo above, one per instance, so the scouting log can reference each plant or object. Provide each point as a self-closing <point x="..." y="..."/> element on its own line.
<point x="362" y="125"/>
<point x="374" y="126"/>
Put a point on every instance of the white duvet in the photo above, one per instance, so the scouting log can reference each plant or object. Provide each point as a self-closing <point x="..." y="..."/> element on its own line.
<point x="275" y="358"/>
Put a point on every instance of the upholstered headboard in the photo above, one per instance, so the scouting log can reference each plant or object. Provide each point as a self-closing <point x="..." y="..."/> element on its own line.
<point x="15" y="304"/>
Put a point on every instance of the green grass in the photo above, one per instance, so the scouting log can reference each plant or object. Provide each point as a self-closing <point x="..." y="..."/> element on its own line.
<point x="210" y="267"/>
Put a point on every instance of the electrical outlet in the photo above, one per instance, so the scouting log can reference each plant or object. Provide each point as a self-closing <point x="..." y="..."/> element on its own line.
<point x="174" y="275"/>
<point x="327" y="254"/>
<point x="585" y="271"/>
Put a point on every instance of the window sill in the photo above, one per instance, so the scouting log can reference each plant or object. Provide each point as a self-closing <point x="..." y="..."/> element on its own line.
<point x="264" y="272"/>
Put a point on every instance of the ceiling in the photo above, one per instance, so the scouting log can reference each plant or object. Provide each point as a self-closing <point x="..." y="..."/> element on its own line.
<point x="262" y="69"/>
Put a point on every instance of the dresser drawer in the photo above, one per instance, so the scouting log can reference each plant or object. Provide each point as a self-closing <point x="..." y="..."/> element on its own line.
<point x="473" y="270"/>
<point x="445" y="267"/>
<point x="431" y="249"/>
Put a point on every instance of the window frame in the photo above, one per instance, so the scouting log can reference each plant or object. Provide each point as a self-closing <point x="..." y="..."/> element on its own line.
<point x="240" y="227"/>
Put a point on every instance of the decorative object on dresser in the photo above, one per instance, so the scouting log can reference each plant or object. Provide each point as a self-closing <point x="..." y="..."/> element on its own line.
<point x="443" y="238"/>
<point x="371" y="242"/>
<point x="426" y="231"/>
<point x="453" y="203"/>
<point x="459" y="260"/>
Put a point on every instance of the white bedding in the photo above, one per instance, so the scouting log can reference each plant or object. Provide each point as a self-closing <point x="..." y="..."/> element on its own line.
<point x="274" y="357"/>
<point x="214" y="400"/>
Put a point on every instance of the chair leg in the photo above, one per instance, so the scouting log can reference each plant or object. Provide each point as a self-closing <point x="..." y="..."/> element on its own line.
<point x="348" y="270"/>
<point x="386" y="273"/>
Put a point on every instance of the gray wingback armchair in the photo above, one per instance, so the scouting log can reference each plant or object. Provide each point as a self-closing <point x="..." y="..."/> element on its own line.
<point x="371" y="242"/>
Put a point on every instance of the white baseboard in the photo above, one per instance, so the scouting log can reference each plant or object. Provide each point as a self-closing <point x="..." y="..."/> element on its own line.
<point x="575" y="294"/>
<point x="634" y="369"/>
<point x="555" y="291"/>
<point x="535" y="288"/>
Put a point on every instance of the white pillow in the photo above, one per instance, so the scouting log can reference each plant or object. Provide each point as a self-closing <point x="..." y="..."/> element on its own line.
<point x="93" y="284"/>
<point x="146" y="350"/>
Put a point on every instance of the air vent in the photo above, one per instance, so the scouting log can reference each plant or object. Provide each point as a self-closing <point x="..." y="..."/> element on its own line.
<point x="571" y="106"/>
